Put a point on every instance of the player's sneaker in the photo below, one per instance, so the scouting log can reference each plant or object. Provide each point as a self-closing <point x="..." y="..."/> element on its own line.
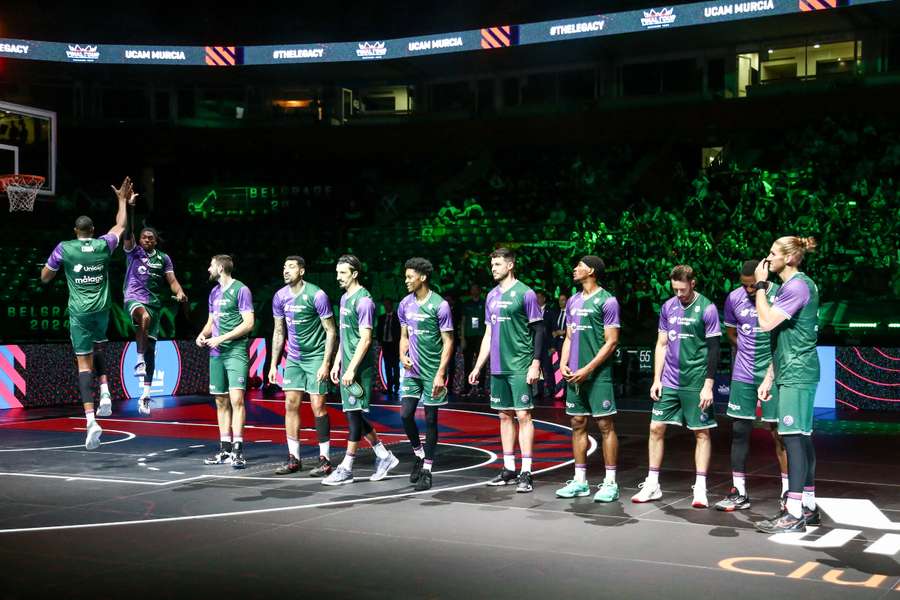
<point x="222" y="457"/>
<point x="812" y="516"/>
<point x="734" y="501"/>
<point x="383" y="466"/>
<point x="424" y="482"/>
<point x="291" y="466"/>
<point x="417" y="470"/>
<point x="608" y="491"/>
<point x="339" y="476"/>
<point x="144" y="404"/>
<point x="237" y="456"/>
<point x="786" y="523"/>
<point x="505" y="477"/>
<point x="525" y="483"/>
<point x="574" y="489"/>
<point x="140" y="368"/>
<point x="324" y="468"/>
<point x="647" y="493"/>
<point x="92" y="439"/>
<point x="700" y="500"/>
<point x="105" y="408"/>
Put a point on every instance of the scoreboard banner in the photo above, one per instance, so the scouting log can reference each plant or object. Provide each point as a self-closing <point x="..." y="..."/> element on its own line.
<point x="487" y="38"/>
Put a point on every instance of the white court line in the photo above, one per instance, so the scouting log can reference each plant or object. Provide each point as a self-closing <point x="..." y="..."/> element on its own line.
<point x="197" y="446"/>
<point x="129" y="436"/>
<point x="591" y="450"/>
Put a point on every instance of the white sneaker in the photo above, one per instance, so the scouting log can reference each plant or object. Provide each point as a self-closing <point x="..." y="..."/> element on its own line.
<point x="339" y="476"/>
<point x="105" y="408"/>
<point x="383" y="466"/>
<point x="144" y="404"/>
<point x="700" y="500"/>
<point x="92" y="441"/>
<point x="647" y="493"/>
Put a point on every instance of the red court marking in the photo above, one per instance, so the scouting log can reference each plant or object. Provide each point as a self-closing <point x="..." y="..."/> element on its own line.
<point x="846" y="368"/>
<point x="873" y="364"/>
<point x="888" y="356"/>
<point x="858" y="393"/>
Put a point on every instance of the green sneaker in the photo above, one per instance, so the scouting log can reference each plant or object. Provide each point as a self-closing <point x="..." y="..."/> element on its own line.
<point x="574" y="488"/>
<point x="608" y="491"/>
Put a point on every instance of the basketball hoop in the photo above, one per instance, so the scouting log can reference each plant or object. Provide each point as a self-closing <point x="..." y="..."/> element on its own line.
<point x="21" y="190"/>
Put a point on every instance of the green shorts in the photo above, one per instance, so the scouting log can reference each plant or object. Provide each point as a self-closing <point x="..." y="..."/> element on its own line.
<point x="86" y="330"/>
<point x="364" y="378"/>
<point x="228" y="372"/>
<point x="153" y="311"/>
<point x="300" y="376"/>
<point x="795" y="408"/>
<point x="420" y="388"/>
<point x="594" y="398"/>
<point x="682" y="407"/>
<point x="742" y="402"/>
<point x="510" y="392"/>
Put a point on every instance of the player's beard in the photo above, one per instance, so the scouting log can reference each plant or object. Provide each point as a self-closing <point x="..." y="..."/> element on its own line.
<point x="214" y="278"/>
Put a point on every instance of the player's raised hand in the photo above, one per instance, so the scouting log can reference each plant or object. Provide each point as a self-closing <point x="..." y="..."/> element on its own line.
<point x="125" y="191"/>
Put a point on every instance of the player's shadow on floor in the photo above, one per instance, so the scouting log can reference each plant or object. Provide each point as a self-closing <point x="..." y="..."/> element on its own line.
<point x="282" y="493"/>
<point x="479" y="495"/>
<point x="601" y="514"/>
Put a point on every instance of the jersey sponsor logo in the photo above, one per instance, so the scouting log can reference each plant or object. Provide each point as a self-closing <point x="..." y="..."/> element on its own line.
<point x="607" y="404"/>
<point x="696" y="309"/>
<point x="704" y="417"/>
<point x="654" y="19"/>
<point x="351" y="400"/>
<point x="512" y="294"/>
<point x="570" y="405"/>
<point x="525" y="399"/>
<point x="738" y="8"/>
<point x="657" y="412"/>
<point x="733" y="406"/>
<point x="672" y="335"/>
<point x="494" y="400"/>
<point x="673" y="320"/>
<point x="747" y="328"/>
<point x="788" y="420"/>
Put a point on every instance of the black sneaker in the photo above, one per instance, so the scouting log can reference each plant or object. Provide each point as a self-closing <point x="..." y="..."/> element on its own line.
<point x="324" y="468"/>
<point x="734" y="501"/>
<point x="222" y="457"/>
<point x="812" y="517"/>
<point x="291" y="466"/>
<point x="524" y="483"/>
<point x="786" y="523"/>
<point x="505" y="477"/>
<point x="237" y="456"/>
<point x="424" y="481"/>
<point x="416" y="470"/>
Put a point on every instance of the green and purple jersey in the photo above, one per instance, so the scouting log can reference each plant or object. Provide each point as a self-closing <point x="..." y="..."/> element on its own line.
<point x="226" y="307"/>
<point x="510" y="313"/>
<point x="754" y="346"/>
<point x="587" y="318"/>
<point x="86" y="264"/>
<point x="687" y="329"/>
<point x="796" y="361"/>
<point x="424" y="322"/>
<point x="145" y="275"/>
<point x="357" y="312"/>
<point x="303" y="313"/>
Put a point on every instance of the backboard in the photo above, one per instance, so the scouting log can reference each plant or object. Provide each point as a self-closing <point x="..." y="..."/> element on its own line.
<point x="28" y="143"/>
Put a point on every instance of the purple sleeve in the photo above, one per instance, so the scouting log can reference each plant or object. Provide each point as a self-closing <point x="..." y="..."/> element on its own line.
<point x="323" y="305"/>
<point x="730" y="318"/>
<point x="212" y="299"/>
<point x="401" y="311"/>
<point x="365" y="312"/>
<point x="277" y="306"/>
<point x="532" y="309"/>
<point x="487" y="309"/>
<point x="664" y="317"/>
<point x="55" y="260"/>
<point x="111" y="240"/>
<point x="611" y="313"/>
<point x="792" y="296"/>
<point x="568" y="310"/>
<point x="245" y="300"/>
<point x="711" y="320"/>
<point x="168" y="267"/>
<point x="445" y="317"/>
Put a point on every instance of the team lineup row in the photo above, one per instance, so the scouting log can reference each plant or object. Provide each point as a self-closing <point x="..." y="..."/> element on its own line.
<point x="773" y="325"/>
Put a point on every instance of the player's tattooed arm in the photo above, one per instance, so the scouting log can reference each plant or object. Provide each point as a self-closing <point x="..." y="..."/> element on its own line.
<point x="659" y="360"/>
<point x="331" y="341"/>
<point x="277" y="349"/>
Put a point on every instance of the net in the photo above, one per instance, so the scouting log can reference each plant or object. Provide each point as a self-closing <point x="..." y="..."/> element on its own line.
<point x="21" y="190"/>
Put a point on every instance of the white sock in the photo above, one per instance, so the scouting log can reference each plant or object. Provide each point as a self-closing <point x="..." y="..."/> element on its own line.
<point x="794" y="504"/>
<point x="610" y="473"/>
<point x="347" y="463"/>
<point x="526" y="464"/>
<point x="784" y="483"/>
<point x="293" y="447"/>
<point x="140" y="357"/>
<point x="225" y="438"/>
<point x="653" y="477"/>
<point x="146" y="389"/>
<point x="380" y="450"/>
<point x="809" y="497"/>
<point x="104" y="388"/>
<point x="427" y="465"/>
<point x="324" y="449"/>
<point x="89" y="415"/>
<point x="700" y="483"/>
<point x="581" y="473"/>
<point x="238" y="439"/>
<point x="740" y="483"/>
<point x="419" y="452"/>
<point x="509" y="461"/>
